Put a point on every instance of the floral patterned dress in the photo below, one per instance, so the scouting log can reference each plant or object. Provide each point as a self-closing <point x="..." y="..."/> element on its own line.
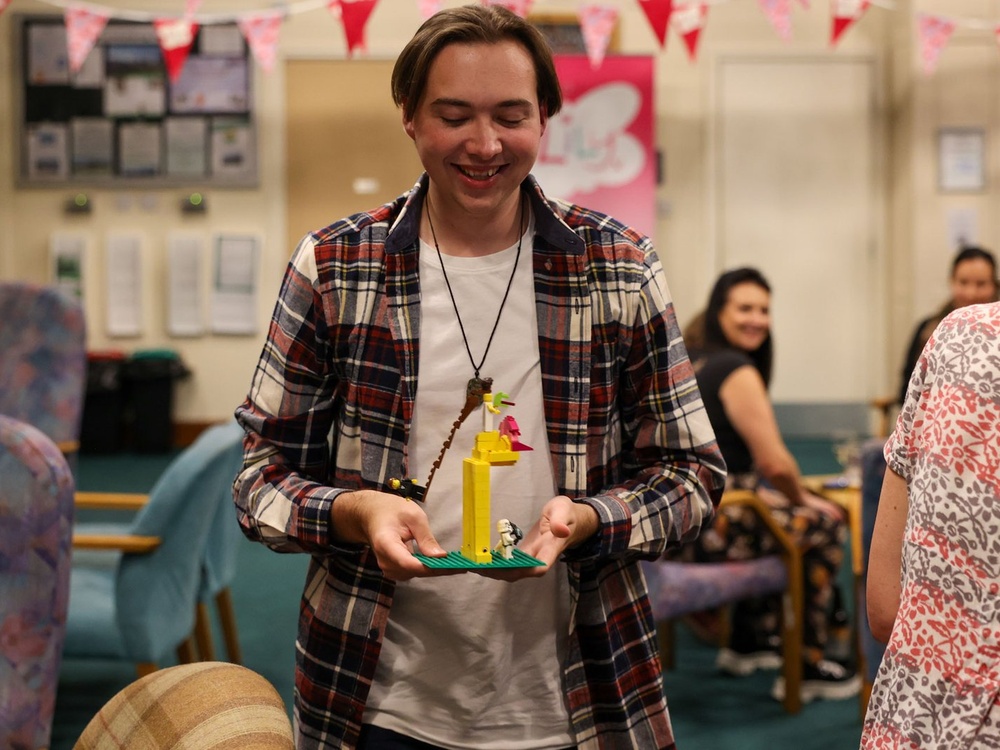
<point x="939" y="683"/>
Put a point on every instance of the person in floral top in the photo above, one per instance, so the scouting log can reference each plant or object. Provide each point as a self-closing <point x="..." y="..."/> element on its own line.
<point x="934" y="571"/>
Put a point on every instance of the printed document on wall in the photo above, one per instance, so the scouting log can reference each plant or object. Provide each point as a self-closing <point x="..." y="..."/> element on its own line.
<point x="66" y="254"/>
<point x="124" y="285"/>
<point x="234" y="287"/>
<point x="185" y="253"/>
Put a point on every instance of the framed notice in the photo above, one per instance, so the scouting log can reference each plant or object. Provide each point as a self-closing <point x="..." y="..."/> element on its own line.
<point x="120" y="119"/>
<point x="961" y="160"/>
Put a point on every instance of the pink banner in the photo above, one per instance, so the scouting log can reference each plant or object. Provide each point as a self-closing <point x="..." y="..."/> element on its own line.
<point x="428" y="8"/>
<point x="597" y="22"/>
<point x="3" y="5"/>
<point x="176" y="35"/>
<point x="934" y="35"/>
<point x="261" y="32"/>
<point x="658" y="14"/>
<point x="518" y="7"/>
<point x="599" y="150"/>
<point x="83" y="26"/>
<point x="779" y="13"/>
<point x="689" y="20"/>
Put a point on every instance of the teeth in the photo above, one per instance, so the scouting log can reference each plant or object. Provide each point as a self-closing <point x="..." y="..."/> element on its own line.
<point x="479" y="175"/>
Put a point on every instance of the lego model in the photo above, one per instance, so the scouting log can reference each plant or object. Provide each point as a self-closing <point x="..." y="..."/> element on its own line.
<point x="510" y="535"/>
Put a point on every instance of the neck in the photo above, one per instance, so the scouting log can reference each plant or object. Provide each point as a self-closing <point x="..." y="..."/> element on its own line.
<point x="471" y="235"/>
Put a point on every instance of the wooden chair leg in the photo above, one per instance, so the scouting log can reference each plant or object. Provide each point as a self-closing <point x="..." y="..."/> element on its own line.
<point x="144" y="668"/>
<point x="187" y="652"/>
<point x="227" y="617"/>
<point x="793" y="611"/>
<point x="203" y="633"/>
<point x="665" y="636"/>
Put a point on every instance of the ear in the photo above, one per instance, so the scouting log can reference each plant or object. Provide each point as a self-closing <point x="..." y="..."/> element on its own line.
<point x="544" y="117"/>
<point x="407" y="122"/>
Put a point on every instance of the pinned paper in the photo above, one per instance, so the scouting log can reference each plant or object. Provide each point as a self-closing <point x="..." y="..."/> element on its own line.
<point x="517" y="7"/>
<point x="176" y="35"/>
<point x="778" y="12"/>
<point x="597" y="22"/>
<point x="934" y="35"/>
<point x="428" y="7"/>
<point x="261" y="32"/>
<point x="658" y="14"/>
<point x="353" y="15"/>
<point x="688" y="20"/>
<point x="83" y="26"/>
<point x="845" y="13"/>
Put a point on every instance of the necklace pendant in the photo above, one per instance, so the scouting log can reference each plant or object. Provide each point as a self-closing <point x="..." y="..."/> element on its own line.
<point x="478" y="387"/>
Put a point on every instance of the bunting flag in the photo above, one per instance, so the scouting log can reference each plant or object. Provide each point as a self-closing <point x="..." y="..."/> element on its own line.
<point x="176" y="35"/>
<point x="261" y="32"/>
<point x="934" y="35"/>
<point x="845" y="13"/>
<point x="658" y="14"/>
<point x="83" y="26"/>
<point x="597" y="22"/>
<point x="3" y="5"/>
<point x="190" y="8"/>
<point x="688" y="20"/>
<point x="778" y="13"/>
<point x="354" y="16"/>
<point x="804" y="4"/>
<point x="428" y="8"/>
<point x="518" y="7"/>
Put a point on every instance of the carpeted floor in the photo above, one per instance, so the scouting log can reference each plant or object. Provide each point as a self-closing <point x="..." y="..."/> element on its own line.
<point x="709" y="711"/>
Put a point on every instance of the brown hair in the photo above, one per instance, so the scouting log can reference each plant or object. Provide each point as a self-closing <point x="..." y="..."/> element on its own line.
<point x="471" y="24"/>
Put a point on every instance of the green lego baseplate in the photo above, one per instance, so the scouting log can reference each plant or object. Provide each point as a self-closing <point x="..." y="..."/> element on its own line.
<point x="457" y="561"/>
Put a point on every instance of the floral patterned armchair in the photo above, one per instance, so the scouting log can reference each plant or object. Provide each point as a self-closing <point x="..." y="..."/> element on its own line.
<point x="36" y="514"/>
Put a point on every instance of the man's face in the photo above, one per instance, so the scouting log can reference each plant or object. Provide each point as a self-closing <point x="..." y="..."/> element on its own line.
<point x="477" y="128"/>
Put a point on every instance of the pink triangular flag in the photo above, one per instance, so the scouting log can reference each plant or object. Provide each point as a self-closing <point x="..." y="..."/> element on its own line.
<point x="658" y="14"/>
<point x="804" y="4"/>
<point x="934" y="35"/>
<point x="688" y="20"/>
<point x="190" y="8"/>
<point x="518" y="7"/>
<point x="597" y="22"/>
<point x="778" y="13"/>
<point x="261" y="32"/>
<point x="176" y="35"/>
<point x="353" y="15"/>
<point x="845" y="13"/>
<point x="3" y="5"/>
<point x="428" y="7"/>
<point x="83" y="26"/>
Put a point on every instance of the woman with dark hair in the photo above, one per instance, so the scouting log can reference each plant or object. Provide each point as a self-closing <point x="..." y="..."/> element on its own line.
<point x="973" y="281"/>
<point x="731" y="350"/>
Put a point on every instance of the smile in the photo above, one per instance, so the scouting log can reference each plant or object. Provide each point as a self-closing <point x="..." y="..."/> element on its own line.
<point x="479" y="174"/>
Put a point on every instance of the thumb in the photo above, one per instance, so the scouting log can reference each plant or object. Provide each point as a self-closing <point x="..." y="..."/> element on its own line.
<point x="427" y="544"/>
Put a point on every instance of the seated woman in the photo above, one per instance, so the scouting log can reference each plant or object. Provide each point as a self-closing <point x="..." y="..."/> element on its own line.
<point x="973" y="282"/>
<point x="730" y="348"/>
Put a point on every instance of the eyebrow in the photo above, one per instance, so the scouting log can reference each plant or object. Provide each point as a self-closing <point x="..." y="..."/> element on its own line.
<point x="506" y="104"/>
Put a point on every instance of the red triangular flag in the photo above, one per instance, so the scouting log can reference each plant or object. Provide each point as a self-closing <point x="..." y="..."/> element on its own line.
<point x="689" y="20"/>
<point x="3" y="5"/>
<point x="597" y="22"/>
<point x="658" y="14"/>
<point x="517" y="7"/>
<point x="83" y="26"/>
<point x="353" y="15"/>
<point x="176" y="35"/>
<point x="934" y="35"/>
<point x="845" y="13"/>
<point x="261" y="32"/>
<point x="778" y="13"/>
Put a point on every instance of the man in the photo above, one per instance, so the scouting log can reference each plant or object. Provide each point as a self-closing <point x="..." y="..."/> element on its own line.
<point x="385" y="321"/>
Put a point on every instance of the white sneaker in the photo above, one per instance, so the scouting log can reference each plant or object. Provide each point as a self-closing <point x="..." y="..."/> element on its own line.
<point x="740" y="665"/>
<point x="825" y="680"/>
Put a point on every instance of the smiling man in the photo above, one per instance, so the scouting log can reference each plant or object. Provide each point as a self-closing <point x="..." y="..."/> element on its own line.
<point x="386" y="321"/>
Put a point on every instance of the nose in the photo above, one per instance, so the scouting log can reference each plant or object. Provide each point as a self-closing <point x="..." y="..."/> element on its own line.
<point x="484" y="141"/>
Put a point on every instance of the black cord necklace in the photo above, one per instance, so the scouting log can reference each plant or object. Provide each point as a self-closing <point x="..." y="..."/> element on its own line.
<point x="477" y="382"/>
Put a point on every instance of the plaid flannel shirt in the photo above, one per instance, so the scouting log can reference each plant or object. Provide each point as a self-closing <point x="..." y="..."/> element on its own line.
<point x="330" y="407"/>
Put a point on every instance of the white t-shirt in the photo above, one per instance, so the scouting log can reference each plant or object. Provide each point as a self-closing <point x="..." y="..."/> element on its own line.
<point x="469" y="662"/>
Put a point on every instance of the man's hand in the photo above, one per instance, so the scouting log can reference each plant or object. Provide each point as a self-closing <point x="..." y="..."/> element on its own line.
<point x="563" y="524"/>
<point x="388" y="524"/>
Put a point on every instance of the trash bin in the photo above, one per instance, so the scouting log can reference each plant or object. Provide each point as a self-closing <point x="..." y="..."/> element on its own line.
<point x="103" y="403"/>
<point x="150" y="375"/>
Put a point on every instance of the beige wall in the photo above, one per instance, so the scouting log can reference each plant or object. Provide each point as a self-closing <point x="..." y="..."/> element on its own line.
<point x="912" y="214"/>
